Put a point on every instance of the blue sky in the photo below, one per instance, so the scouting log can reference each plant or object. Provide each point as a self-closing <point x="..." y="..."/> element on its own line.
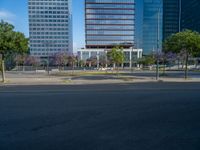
<point x="16" y="13"/>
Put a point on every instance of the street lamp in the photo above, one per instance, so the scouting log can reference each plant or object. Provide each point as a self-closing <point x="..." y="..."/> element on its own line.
<point x="47" y="43"/>
<point x="131" y="60"/>
<point x="158" y="46"/>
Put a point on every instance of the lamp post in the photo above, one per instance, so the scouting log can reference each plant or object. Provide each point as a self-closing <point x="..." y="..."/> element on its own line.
<point x="158" y="46"/>
<point x="131" y="60"/>
<point x="47" y="43"/>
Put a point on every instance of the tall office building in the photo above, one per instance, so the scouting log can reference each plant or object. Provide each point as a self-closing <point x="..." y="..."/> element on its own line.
<point x="109" y="23"/>
<point x="152" y="25"/>
<point x="50" y="27"/>
<point x="190" y="15"/>
<point x="171" y="17"/>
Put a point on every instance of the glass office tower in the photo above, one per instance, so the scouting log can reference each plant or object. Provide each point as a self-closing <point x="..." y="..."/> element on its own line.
<point x="190" y="17"/>
<point x="109" y="23"/>
<point x="171" y="17"/>
<point x="50" y="27"/>
<point x="152" y="25"/>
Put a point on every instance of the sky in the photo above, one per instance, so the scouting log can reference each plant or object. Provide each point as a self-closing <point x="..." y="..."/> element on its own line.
<point x="16" y="13"/>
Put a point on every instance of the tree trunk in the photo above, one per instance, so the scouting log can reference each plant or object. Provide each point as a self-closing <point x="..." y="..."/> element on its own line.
<point x="164" y="67"/>
<point x="186" y="67"/>
<point x="3" y="70"/>
<point x="72" y="68"/>
<point x="178" y="63"/>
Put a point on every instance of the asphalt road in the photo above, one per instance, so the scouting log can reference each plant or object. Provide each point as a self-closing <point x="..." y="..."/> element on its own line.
<point x="142" y="116"/>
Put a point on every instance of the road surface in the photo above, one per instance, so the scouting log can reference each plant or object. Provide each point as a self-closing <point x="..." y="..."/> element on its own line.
<point x="142" y="116"/>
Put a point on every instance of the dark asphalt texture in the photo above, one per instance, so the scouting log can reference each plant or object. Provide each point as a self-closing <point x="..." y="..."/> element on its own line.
<point x="140" y="116"/>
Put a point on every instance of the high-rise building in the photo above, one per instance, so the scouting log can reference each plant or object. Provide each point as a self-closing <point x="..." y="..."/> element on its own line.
<point x="50" y="27"/>
<point x="190" y="15"/>
<point x="152" y="25"/>
<point x="171" y="17"/>
<point x="109" y="23"/>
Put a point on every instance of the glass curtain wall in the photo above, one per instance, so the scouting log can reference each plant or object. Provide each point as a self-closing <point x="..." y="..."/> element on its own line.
<point x="190" y="18"/>
<point x="109" y="23"/>
<point x="152" y="25"/>
<point x="171" y="16"/>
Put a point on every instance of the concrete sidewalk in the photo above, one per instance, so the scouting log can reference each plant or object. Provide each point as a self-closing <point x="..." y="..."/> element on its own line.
<point x="54" y="80"/>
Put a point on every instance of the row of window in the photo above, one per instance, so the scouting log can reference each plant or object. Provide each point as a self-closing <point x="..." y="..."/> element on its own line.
<point x="48" y="3"/>
<point x="109" y="42"/>
<point x="48" y="8"/>
<point x="110" y="1"/>
<point x="110" y="32"/>
<point x="44" y="46"/>
<point x="109" y="21"/>
<point x="48" y="20"/>
<point x="49" y="25"/>
<point x="101" y="11"/>
<point x="46" y="30"/>
<point x="49" y="33"/>
<point x="99" y="5"/>
<point x="50" y="42"/>
<point x="47" y="12"/>
<point x="48" y="37"/>
<point x="48" y="16"/>
<point x="109" y="27"/>
<point x="93" y="16"/>
<point x="109" y="38"/>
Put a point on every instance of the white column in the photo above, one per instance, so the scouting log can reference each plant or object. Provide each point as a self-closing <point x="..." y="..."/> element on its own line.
<point x="106" y="59"/>
<point x="81" y="55"/>
<point x="130" y="61"/>
<point x="89" y="54"/>
<point x="138" y="53"/>
<point x="138" y="56"/>
<point x="98" y="59"/>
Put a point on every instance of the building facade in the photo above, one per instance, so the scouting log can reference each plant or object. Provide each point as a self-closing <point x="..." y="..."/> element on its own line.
<point x="171" y="17"/>
<point x="109" y="23"/>
<point x="190" y="15"/>
<point x="152" y="25"/>
<point x="50" y="27"/>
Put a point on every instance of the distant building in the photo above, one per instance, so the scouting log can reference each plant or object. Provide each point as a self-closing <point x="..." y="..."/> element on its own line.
<point x="171" y="17"/>
<point x="152" y="25"/>
<point x="50" y="27"/>
<point x="109" y="23"/>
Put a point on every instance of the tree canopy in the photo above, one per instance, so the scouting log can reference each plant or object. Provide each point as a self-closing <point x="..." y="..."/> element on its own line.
<point x="116" y="55"/>
<point x="187" y="41"/>
<point x="11" y="41"/>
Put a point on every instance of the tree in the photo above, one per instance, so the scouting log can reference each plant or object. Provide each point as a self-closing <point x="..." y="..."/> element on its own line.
<point x="92" y="61"/>
<point x="147" y="60"/>
<point x="72" y="60"/>
<point x="61" y="59"/>
<point x="116" y="56"/>
<point x="103" y="60"/>
<point x="11" y="42"/>
<point x="187" y="42"/>
<point x="32" y="61"/>
<point x="20" y="60"/>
